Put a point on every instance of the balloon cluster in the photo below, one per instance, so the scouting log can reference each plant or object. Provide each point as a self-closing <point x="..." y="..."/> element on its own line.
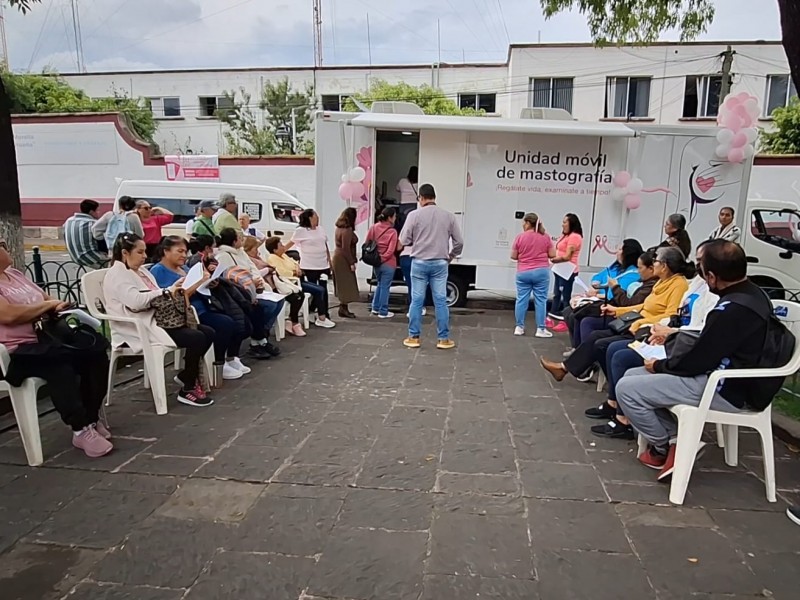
<point x="628" y="189"/>
<point x="737" y="117"/>
<point x="352" y="187"/>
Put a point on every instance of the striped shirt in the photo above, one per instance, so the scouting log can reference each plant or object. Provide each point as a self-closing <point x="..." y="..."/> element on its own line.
<point x="81" y="245"/>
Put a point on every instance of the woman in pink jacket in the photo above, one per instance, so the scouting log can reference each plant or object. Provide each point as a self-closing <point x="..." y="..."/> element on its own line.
<point x="385" y="235"/>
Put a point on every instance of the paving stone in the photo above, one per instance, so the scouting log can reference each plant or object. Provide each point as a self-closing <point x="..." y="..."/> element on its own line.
<point x="547" y="424"/>
<point x="439" y="587"/>
<point x="43" y="572"/>
<point x="9" y="473"/>
<point x="728" y="490"/>
<point x="479" y="484"/>
<point x="252" y="577"/>
<point x="418" y="398"/>
<point x="114" y="514"/>
<point x="488" y="546"/>
<point x="43" y="490"/>
<point x="190" y="442"/>
<point x="572" y="575"/>
<point x="132" y="482"/>
<point x="288" y="524"/>
<point x="154" y="555"/>
<point x="575" y="526"/>
<point x="463" y="457"/>
<point x="274" y="433"/>
<point x="99" y="591"/>
<point x="14" y="527"/>
<point x="370" y="565"/>
<point x="758" y="532"/>
<point x="540" y="404"/>
<point x="418" y="417"/>
<point x="624" y="468"/>
<point x="124" y="450"/>
<point x="774" y="572"/>
<point x="479" y="504"/>
<point x="715" y="567"/>
<point x="549" y="447"/>
<point x="560" y="481"/>
<point x="401" y="470"/>
<point x="384" y="509"/>
<point x="211" y="500"/>
<point x="472" y="431"/>
<point x="163" y="465"/>
<point x="331" y="475"/>
<point x="245" y="463"/>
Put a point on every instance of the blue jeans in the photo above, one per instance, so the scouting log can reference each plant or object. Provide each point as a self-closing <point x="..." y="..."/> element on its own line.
<point x="264" y="316"/>
<point x="619" y="360"/>
<point x="423" y="274"/>
<point x="535" y="281"/>
<point x="562" y="293"/>
<point x="319" y="297"/>
<point x="380" y="299"/>
<point x="228" y="334"/>
<point x="405" y="267"/>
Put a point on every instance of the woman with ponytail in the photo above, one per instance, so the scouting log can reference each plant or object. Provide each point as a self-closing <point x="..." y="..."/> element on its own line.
<point x="532" y="249"/>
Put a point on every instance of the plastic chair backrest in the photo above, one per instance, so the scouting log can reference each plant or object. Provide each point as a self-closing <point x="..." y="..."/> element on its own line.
<point x="92" y="284"/>
<point x="5" y="360"/>
<point x="789" y="314"/>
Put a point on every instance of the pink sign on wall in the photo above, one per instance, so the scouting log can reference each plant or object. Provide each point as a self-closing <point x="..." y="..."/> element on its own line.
<point x="192" y="167"/>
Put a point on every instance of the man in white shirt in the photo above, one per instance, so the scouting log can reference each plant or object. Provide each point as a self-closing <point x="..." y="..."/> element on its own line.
<point x="248" y="229"/>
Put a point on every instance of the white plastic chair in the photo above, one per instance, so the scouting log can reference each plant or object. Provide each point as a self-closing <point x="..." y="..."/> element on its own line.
<point x="280" y="323"/>
<point x="153" y="354"/>
<point x="23" y="402"/>
<point x="691" y="419"/>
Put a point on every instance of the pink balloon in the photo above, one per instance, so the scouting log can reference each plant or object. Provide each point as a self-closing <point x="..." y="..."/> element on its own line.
<point x="739" y="140"/>
<point x="734" y="123"/>
<point x="344" y="191"/>
<point x="633" y="201"/>
<point x="743" y="96"/>
<point x="356" y="190"/>
<point x="622" y="179"/>
<point x="731" y="102"/>
<point x="736" y="155"/>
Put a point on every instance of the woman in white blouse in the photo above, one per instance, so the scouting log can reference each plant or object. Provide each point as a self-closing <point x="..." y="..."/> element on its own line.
<point x="408" y="187"/>
<point x="727" y="230"/>
<point x="312" y="242"/>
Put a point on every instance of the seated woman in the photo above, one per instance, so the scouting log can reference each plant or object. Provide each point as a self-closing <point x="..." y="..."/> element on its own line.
<point x="228" y="332"/>
<point x="294" y="300"/>
<point x="619" y="282"/>
<point x="76" y="379"/>
<point x="670" y="267"/>
<point x="130" y="291"/>
<point x="677" y="236"/>
<point x="286" y="266"/>
<point x="694" y="307"/>
<point x="230" y="253"/>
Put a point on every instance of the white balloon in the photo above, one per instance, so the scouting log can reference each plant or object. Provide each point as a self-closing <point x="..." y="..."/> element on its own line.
<point x="618" y="194"/>
<point x="751" y="133"/>
<point x="725" y="136"/>
<point x="345" y="178"/>
<point x="635" y="186"/>
<point x="357" y="174"/>
<point x="751" y="106"/>
<point x="749" y="151"/>
<point x="722" y="150"/>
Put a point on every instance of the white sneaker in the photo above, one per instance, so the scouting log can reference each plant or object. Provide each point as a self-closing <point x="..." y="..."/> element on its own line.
<point x="544" y="333"/>
<point x="519" y="331"/>
<point x="374" y="313"/>
<point x="240" y="366"/>
<point x="230" y="372"/>
<point x="388" y="315"/>
<point x="327" y="323"/>
<point x="424" y="312"/>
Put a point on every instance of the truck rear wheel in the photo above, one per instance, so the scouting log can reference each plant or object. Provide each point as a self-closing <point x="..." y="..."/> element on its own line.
<point x="456" y="291"/>
<point x="771" y="286"/>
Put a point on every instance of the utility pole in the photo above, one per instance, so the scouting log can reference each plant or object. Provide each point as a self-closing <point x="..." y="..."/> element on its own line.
<point x="4" y="62"/>
<point x="317" y="33"/>
<point x="727" y="65"/>
<point x="369" y="42"/>
<point x="76" y="27"/>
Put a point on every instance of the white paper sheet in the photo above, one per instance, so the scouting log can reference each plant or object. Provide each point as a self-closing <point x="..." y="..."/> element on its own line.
<point x="271" y="296"/>
<point x="579" y="282"/>
<point x="564" y="269"/>
<point x="648" y="352"/>
<point x="218" y="272"/>
<point x="193" y="277"/>
<point x="82" y="316"/>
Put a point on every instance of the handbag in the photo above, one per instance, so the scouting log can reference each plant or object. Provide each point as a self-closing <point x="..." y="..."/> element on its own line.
<point x="62" y="332"/>
<point x="680" y="343"/>
<point x="623" y="322"/>
<point x="587" y="309"/>
<point x="370" y="254"/>
<point x="284" y="286"/>
<point x="170" y="311"/>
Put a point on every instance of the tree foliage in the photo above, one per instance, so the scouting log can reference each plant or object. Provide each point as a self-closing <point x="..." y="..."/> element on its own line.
<point x="48" y="93"/>
<point x="431" y="100"/>
<point x="785" y="137"/>
<point x="249" y="134"/>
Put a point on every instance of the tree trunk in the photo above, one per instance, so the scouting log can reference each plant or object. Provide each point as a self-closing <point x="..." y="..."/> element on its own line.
<point x="790" y="28"/>
<point x="10" y="209"/>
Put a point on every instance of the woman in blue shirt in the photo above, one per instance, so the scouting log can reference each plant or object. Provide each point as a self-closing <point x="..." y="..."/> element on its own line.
<point x="228" y="334"/>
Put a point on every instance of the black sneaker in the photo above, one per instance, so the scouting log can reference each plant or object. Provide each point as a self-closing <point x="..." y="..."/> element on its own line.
<point x="191" y="398"/>
<point x="259" y="353"/>
<point x="793" y="512"/>
<point x="615" y="430"/>
<point x="587" y="376"/>
<point x="604" y="411"/>
<point x="271" y="349"/>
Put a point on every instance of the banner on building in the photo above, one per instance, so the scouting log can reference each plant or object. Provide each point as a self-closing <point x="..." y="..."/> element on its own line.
<point x="192" y="167"/>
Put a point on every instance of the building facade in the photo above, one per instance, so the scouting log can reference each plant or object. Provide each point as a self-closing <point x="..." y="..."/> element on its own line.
<point x="665" y="83"/>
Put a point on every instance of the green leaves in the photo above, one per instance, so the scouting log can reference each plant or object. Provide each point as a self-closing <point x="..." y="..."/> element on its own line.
<point x="637" y="21"/>
<point x="431" y="100"/>
<point x="785" y="138"/>
<point x="23" y="5"/>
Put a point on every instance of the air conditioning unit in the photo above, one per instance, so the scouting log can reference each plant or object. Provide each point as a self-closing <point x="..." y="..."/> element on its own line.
<point x="397" y="108"/>
<point x="548" y="114"/>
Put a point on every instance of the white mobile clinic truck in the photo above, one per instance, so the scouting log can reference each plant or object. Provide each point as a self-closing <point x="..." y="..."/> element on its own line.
<point x="491" y="171"/>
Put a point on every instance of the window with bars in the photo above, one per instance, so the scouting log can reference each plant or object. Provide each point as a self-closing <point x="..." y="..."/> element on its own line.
<point x="701" y="96"/>
<point x="627" y="97"/>
<point x="551" y="92"/>
<point x="166" y="106"/>
<point x="486" y="102"/>
<point x="780" y="89"/>
<point x="334" y="102"/>
<point x="211" y="106"/>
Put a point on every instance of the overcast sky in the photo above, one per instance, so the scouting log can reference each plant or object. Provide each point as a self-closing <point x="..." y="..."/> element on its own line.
<point x="152" y="34"/>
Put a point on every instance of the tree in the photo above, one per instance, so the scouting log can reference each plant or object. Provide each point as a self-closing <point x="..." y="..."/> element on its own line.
<point x="10" y="209"/>
<point x="785" y="138"/>
<point x="247" y="136"/>
<point x="642" y="21"/>
<point x="431" y="100"/>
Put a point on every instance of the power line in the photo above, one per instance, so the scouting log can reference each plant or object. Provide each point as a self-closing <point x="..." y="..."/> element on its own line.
<point x="503" y="20"/>
<point x="108" y="18"/>
<point x="36" y="46"/>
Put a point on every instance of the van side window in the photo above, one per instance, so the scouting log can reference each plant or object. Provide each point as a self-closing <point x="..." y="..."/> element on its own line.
<point x="286" y="212"/>
<point x="778" y="228"/>
<point x="182" y="209"/>
<point x="253" y="209"/>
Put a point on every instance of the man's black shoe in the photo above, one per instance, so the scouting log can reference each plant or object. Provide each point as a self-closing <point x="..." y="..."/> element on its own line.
<point x="604" y="411"/>
<point x="614" y="429"/>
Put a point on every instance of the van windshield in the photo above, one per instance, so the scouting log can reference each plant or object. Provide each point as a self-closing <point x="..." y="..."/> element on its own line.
<point x="183" y="209"/>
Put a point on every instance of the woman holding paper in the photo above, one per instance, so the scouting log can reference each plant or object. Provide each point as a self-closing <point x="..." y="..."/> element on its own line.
<point x="568" y="249"/>
<point x="532" y="249"/>
<point x="229" y="332"/>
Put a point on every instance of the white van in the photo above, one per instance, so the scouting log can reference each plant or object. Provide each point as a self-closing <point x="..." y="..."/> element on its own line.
<point x="272" y="210"/>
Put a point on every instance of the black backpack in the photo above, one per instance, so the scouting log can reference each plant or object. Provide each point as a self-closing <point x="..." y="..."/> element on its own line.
<point x="779" y="344"/>
<point x="370" y="254"/>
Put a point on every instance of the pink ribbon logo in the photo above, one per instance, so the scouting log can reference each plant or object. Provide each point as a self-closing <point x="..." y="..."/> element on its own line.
<point x="601" y="243"/>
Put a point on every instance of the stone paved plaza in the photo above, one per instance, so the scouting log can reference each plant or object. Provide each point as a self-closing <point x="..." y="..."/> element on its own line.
<point x="354" y="468"/>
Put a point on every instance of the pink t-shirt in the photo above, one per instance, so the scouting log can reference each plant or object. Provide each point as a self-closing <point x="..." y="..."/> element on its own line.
<point x="573" y="239"/>
<point x="532" y="248"/>
<point x="17" y="289"/>
<point x="152" y="228"/>
<point x="313" y="246"/>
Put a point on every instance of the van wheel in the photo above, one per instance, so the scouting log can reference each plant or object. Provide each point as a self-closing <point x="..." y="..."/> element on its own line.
<point x="456" y="291"/>
<point x="772" y="287"/>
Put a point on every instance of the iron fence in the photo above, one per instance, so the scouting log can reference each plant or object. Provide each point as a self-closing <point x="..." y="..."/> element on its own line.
<point x="59" y="279"/>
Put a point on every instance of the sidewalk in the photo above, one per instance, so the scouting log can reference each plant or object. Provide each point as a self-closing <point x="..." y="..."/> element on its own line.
<point x="353" y="468"/>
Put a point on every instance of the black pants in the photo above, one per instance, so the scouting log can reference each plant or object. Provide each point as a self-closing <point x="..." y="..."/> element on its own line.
<point x="592" y="350"/>
<point x="313" y="275"/>
<point x="196" y="343"/>
<point x="295" y="302"/>
<point x="76" y="380"/>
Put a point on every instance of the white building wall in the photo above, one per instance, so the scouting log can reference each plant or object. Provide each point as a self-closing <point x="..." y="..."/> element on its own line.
<point x="666" y="64"/>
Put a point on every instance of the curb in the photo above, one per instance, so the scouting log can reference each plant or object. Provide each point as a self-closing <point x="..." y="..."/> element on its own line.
<point x="786" y="429"/>
<point x="29" y="246"/>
